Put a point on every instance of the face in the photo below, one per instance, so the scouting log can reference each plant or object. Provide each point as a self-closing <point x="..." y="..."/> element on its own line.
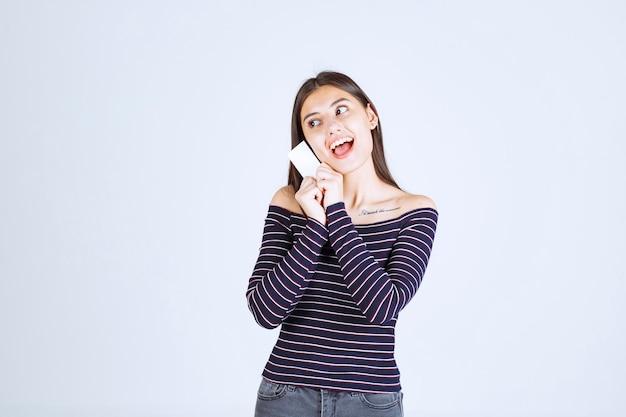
<point x="338" y="128"/>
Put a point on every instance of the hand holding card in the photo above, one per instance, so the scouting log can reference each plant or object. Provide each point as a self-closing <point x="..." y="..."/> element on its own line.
<point x="303" y="158"/>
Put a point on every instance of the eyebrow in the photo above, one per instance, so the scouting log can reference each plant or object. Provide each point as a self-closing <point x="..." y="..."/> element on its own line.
<point x="333" y="104"/>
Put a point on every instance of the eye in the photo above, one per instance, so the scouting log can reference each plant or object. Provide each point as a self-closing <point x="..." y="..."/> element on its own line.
<point x="341" y="110"/>
<point x="313" y="122"/>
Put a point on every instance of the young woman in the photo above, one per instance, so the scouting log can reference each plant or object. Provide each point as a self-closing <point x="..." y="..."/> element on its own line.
<point x="342" y="253"/>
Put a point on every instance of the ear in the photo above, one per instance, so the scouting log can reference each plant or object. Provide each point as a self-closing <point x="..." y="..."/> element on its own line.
<point x="371" y="116"/>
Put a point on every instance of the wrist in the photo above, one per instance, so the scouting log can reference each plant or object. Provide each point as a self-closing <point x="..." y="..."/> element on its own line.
<point x="334" y="207"/>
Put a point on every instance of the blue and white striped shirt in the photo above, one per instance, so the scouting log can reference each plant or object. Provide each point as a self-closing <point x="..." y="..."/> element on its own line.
<point x="337" y="292"/>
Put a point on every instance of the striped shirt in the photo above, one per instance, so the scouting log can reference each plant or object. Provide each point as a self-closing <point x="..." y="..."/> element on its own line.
<point x="336" y="291"/>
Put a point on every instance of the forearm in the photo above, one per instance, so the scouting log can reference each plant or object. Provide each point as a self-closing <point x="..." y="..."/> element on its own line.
<point x="282" y="271"/>
<point x="380" y="293"/>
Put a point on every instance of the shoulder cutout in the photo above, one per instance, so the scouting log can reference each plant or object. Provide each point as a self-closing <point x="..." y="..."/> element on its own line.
<point x="285" y="197"/>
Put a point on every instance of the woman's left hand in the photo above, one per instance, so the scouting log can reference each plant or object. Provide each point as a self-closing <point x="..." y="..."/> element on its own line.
<point x="331" y="183"/>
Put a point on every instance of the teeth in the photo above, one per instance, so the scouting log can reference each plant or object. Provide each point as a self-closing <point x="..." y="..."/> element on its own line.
<point x="339" y="142"/>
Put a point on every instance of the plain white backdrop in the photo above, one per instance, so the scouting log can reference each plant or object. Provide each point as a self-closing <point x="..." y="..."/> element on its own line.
<point x="141" y="141"/>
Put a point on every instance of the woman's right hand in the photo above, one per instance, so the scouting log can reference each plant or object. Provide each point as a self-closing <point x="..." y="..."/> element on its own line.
<point x="310" y="198"/>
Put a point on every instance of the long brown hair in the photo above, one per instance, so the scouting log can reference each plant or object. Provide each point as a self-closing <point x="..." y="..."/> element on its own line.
<point x="346" y="84"/>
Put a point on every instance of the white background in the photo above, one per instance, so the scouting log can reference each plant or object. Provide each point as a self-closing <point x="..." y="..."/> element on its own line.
<point x="141" y="141"/>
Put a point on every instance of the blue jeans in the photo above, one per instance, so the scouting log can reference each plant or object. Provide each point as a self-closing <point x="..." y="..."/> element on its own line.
<point x="277" y="400"/>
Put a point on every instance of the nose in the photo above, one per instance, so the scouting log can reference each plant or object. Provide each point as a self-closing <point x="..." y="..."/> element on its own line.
<point x="334" y="127"/>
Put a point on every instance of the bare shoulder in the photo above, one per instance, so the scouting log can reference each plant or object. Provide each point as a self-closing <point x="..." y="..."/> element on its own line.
<point x="285" y="197"/>
<point x="416" y="201"/>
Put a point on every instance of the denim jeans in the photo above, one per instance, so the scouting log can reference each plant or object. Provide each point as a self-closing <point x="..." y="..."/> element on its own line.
<point x="277" y="400"/>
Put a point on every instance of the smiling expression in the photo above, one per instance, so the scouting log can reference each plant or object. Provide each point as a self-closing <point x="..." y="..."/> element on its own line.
<point x="338" y="128"/>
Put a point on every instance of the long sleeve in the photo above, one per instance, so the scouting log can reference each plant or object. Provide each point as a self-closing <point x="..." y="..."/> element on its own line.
<point x="380" y="293"/>
<point x="284" y="267"/>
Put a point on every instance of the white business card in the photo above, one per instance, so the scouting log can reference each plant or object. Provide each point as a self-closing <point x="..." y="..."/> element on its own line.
<point x="303" y="158"/>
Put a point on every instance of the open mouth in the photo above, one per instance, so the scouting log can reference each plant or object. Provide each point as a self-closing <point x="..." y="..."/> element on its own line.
<point x="341" y="146"/>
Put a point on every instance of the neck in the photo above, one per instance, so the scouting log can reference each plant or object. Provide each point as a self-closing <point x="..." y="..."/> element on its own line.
<point x="362" y="188"/>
